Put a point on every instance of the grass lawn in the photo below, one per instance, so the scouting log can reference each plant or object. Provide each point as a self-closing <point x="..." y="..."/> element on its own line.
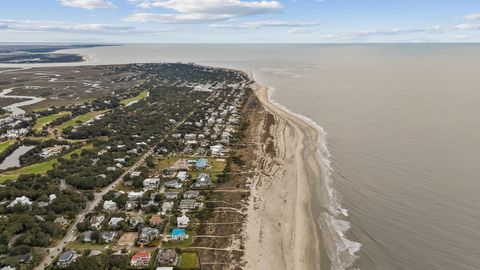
<point x="43" y="121"/>
<point x="167" y="162"/>
<point x="81" y="118"/>
<point x="140" y="96"/>
<point x="4" y="145"/>
<point x="189" y="260"/>
<point x="38" y="168"/>
<point x="214" y="169"/>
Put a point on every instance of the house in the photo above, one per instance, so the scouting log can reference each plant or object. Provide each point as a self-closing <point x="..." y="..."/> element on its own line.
<point x="203" y="181"/>
<point x="173" y="184"/>
<point x="191" y="194"/>
<point x="155" y="220"/>
<point x="188" y="204"/>
<point x="135" y="174"/>
<point x="109" y="205"/>
<point x="182" y="176"/>
<point x="87" y="236"/>
<point x="201" y="164"/>
<point x="182" y="222"/>
<point x="164" y="268"/>
<point x="120" y="160"/>
<point x="148" y="234"/>
<point x="178" y="234"/>
<point x="171" y="196"/>
<point x="61" y="221"/>
<point x="66" y="258"/>
<point x="8" y="267"/>
<point x="111" y="169"/>
<point x="130" y="205"/>
<point x="151" y="183"/>
<point x="97" y="221"/>
<point x="134" y="221"/>
<point x="24" y="201"/>
<point x="141" y="258"/>
<point x="167" y="206"/>
<point x="115" y="222"/>
<point x="133" y="196"/>
<point x="167" y="257"/>
<point x="216" y="150"/>
<point x="108" y="237"/>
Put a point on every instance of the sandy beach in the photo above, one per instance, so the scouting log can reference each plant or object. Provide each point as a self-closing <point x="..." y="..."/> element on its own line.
<point x="281" y="232"/>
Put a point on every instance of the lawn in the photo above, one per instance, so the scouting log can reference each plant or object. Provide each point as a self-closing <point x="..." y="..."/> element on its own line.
<point x="38" y="168"/>
<point x="189" y="260"/>
<point x="140" y="96"/>
<point x="81" y="118"/>
<point x="4" y="145"/>
<point x="214" y="169"/>
<point x="45" y="120"/>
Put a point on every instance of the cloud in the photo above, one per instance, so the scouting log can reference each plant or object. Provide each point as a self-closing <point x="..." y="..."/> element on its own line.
<point x="87" y="4"/>
<point x="64" y="27"/>
<point x="189" y="11"/>
<point x="263" y="24"/>
<point x="474" y="16"/>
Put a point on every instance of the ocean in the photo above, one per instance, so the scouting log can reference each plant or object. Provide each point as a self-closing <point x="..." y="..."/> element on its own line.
<point x="401" y="138"/>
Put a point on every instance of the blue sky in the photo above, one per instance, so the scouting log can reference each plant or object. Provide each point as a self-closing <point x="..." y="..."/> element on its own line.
<point x="239" y="21"/>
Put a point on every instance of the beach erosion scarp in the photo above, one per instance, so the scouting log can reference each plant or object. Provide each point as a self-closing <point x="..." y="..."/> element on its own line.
<point x="294" y="219"/>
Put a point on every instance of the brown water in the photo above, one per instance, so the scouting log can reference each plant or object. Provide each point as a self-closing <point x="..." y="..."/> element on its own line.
<point x="403" y="126"/>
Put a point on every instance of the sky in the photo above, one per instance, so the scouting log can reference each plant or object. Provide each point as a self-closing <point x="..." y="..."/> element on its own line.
<point x="240" y="21"/>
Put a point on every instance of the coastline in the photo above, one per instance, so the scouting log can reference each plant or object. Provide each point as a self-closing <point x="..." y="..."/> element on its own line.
<point x="281" y="231"/>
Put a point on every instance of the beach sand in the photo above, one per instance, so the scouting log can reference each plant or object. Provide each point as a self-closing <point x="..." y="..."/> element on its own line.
<point x="281" y="232"/>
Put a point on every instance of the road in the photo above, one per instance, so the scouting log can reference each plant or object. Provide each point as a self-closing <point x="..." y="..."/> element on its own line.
<point x="72" y="231"/>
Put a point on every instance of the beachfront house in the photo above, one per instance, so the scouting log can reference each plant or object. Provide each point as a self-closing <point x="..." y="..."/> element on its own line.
<point x="203" y="181"/>
<point x="182" y="222"/>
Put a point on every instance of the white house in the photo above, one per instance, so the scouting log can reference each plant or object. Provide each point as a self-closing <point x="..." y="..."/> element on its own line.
<point x="183" y="221"/>
<point x="151" y="183"/>
<point x="109" y="205"/>
<point x="132" y="195"/>
<point x="216" y="150"/>
<point x="24" y="201"/>
<point x="182" y="176"/>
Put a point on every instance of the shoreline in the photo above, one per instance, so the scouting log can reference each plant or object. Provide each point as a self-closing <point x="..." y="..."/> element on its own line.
<point x="299" y="194"/>
<point x="280" y="223"/>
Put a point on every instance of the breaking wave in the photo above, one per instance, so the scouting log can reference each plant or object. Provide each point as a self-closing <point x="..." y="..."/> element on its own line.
<point x="340" y="250"/>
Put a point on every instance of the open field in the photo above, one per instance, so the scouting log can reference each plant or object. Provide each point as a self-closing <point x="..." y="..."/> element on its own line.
<point x="80" y="119"/>
<point x="189" y="260"/>
<point x="139" y="97"/>
<point x="45" y="120"/>
<point x="38" y="168"/>
<point x="4" y="145"/>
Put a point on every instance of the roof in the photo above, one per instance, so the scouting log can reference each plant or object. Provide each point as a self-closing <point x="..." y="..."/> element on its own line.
<point x="178" y="232"/>
<point x="66" y="256"/>
<point x="164" y="268"/>
<point x="141" y="254"/>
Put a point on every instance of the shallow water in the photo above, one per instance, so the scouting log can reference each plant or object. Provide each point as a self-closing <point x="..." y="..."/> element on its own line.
<point x="403" y="128"/>
<point x="13" y="160"/>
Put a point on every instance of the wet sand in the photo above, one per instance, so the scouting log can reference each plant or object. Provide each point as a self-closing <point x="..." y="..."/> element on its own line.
<point x="281" y="232"/>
